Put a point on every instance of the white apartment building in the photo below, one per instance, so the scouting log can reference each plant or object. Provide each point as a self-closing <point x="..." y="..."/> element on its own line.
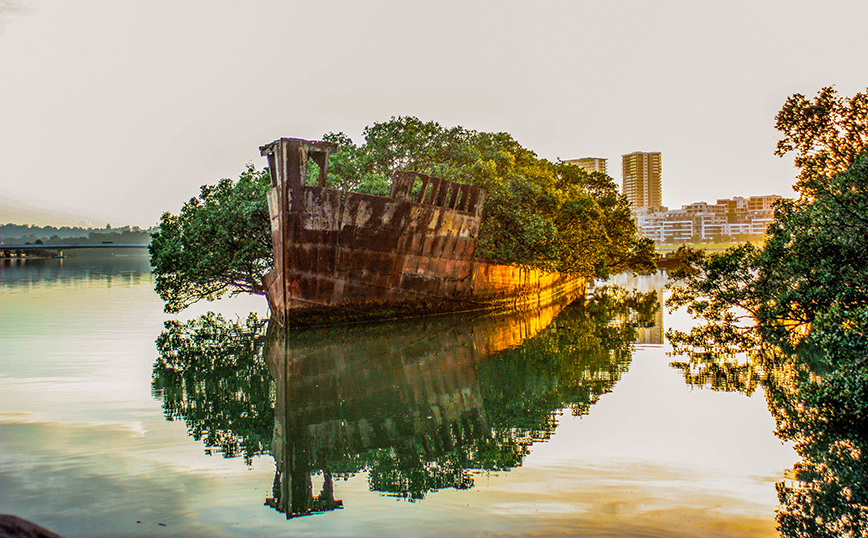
<point x="701" y="221"/>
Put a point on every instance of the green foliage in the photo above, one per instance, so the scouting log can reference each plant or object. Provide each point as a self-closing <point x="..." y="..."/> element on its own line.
<point x="220" y="243"/>
<point x="720" y="290"/>
<point x="813" y="261"/>
<point x="827" y="135"/>
<point x="825" y="417"/>
<point x="348" y="169"/>
<point x="552" y="216"/>
<point x="813" y="258"/>
<point x="798" y="308"/>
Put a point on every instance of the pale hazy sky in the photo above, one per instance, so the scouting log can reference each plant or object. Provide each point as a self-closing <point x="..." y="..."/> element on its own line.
<point x="116" y="111"/>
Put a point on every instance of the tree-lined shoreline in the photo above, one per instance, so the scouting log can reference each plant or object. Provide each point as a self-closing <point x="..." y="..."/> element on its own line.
<point x="20" y="234"/>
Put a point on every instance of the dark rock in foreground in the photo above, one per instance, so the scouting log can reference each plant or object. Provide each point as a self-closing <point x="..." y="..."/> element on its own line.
<point x="15" y="527"/>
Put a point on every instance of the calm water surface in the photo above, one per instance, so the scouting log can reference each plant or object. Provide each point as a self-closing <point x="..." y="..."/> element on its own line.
<point x="537" y="425"/>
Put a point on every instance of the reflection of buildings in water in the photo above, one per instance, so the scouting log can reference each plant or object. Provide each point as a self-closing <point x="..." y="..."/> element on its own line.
<point x="389" y="397"/>
<point x="655" y="282"/>
<point x="654" y="333"/>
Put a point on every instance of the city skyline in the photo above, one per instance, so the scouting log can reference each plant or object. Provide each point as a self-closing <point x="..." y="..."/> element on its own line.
<point x="726" y="219"/>
<point x="116" y="112"/>
<point x="642" y="184"/>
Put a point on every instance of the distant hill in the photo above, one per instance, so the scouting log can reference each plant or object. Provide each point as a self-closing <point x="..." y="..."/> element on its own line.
<point x="24" y="233"/>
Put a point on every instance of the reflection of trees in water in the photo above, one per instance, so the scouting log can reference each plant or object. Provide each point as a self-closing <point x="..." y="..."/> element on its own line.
<point x="124" y="268"/>
<point x="212" y="375"/>
<point x="721" y="373"/>
<point x="651" y="331"/>
<point x="826" y="420"/>
<point x="570" y="364"/>
<point x="819" y="399"/>
<point x="419" y="405"/>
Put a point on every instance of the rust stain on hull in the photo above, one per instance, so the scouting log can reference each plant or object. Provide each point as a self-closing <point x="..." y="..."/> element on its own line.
<point x="345" y="256"/>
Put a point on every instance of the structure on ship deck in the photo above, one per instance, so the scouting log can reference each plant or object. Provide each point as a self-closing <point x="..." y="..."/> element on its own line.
<point x="344" y="256"/>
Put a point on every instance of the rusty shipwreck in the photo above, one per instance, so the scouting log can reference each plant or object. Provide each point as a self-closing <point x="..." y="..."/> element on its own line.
<point x="342" y="256"/>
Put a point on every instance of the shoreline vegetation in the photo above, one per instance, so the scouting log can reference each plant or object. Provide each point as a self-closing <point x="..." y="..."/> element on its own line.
<point x="672" y="255"/>
<point x="13" y="235"/>
<point x="667" y="249"/>
<point x="791" y="315"/>
<point x="21" y="234"/>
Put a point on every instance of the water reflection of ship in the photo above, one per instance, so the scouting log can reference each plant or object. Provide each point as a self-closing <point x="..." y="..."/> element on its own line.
<point x="405" y="392"/>
<point x="646" y="283"/>
<point x="417" y="406"/>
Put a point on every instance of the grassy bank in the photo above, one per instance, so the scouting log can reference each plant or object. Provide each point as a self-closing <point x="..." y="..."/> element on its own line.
<point x="667" y="248"/>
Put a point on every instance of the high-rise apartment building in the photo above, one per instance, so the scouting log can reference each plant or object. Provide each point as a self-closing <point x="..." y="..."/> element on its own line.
<point x="641" y="179"/>
<point x="589" y="164"/>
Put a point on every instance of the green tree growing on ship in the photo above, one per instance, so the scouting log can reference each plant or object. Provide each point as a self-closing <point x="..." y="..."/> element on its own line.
<point x="548" y="215"/>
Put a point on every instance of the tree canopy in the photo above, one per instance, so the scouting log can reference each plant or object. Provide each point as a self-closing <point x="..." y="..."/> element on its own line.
<point x="548" y="215"/>
<point x="552" y="216"/>
<point x="220" y="243"/>
<point x="812" y="263"/>
<point x="826" y="134"/>
<point x="797" y="306"/>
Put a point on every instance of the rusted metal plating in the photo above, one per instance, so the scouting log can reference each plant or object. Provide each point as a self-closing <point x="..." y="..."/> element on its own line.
<point x="343" y="255"/>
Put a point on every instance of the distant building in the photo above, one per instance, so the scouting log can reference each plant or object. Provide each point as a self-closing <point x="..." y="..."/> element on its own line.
<point x="736" y="218"/>
<point x="762" y="203"/>
<point x="736" y="208"/>
<point x="641" y="183"/>
<point x="589" y="164"/>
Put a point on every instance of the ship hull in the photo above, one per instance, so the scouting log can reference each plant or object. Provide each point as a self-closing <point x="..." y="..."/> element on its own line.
<point x="346" y="257"/>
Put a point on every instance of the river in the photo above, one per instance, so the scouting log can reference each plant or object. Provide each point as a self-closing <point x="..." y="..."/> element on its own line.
<point x="569" y="420"/>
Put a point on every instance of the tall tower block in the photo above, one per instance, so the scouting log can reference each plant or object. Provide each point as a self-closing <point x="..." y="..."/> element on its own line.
<point x="641" y="179"/>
